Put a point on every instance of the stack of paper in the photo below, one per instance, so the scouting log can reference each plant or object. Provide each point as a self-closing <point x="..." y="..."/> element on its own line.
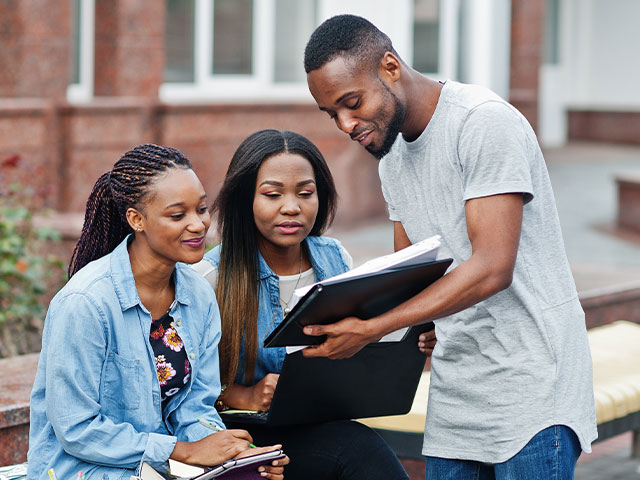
<point x="420" y="252"/>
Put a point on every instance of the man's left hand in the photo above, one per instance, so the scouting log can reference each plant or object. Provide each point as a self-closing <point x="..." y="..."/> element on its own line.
<point x="344" y="338"/>
<point x="427" y="342"/>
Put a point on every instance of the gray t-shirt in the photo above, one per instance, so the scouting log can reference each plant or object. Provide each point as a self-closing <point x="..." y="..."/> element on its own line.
<point x="518" y="361"/>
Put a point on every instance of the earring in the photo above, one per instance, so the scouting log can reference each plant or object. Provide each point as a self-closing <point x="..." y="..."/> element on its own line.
<point x="138" y="229"/>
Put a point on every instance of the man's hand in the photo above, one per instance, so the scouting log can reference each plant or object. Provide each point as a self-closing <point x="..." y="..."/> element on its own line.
<point x="427" y="342"/>
<point x="344" y="338"/>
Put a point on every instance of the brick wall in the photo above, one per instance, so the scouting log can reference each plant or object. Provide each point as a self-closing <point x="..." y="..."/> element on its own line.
<point x="527" y="17"/>
<point x="605" y="126"/>
<point x="64" y="149"/>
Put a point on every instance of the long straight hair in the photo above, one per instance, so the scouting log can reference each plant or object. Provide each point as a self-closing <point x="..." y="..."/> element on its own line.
<point x="237" y="289"/>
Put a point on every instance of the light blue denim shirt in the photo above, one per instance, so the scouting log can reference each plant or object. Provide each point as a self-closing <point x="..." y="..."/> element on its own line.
<point x="328" y="258"/>
<point x="95" y="404"/>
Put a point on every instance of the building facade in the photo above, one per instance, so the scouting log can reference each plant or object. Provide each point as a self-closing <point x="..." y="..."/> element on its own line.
<point x="85" y="80"/>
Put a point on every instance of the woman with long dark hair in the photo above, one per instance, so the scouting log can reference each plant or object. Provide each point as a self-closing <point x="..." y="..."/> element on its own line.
<point x="129" y="357"/>
<point x="277" y="199"/>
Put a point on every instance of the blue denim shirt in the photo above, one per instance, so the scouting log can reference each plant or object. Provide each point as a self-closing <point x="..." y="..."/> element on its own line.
<point x="95" y="404"/>
<point x="328" y="258"/>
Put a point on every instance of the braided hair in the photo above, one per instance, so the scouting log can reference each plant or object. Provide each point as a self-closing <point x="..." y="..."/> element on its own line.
<point x="125" y="186"/>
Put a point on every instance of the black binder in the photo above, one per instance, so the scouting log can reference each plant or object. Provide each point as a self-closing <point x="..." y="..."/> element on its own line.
<point x="364" y="296"/>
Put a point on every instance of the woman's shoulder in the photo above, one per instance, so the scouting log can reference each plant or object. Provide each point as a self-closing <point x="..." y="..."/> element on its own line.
<point x="323" y="245"/>
<point x="208" y="266"/>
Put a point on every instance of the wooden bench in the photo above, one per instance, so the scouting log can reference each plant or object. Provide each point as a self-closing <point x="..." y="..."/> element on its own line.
<point x="615" y="350"/>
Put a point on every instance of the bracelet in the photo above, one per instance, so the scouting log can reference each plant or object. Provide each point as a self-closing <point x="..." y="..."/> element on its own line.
<point x="220" y="405"/>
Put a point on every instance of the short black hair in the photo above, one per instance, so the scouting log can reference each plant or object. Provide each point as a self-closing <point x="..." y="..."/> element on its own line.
<point x="346" y="35"/>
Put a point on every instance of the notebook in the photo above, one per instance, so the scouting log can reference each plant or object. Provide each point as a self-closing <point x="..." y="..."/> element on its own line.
<point x="245" y="468"/>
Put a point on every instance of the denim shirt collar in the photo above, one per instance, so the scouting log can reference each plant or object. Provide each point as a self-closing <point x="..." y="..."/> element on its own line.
<point x="125" y="285"/>
<point x="264" y="271"/>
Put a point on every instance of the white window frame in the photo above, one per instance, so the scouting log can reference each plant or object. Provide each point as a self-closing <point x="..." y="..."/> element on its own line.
<point x="260" y="87"/>
<point x="82" y="91"/>
<point x="448" y="11"/>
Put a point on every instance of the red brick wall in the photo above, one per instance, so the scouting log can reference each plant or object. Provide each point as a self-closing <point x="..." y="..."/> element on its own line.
<point x="527" y="17"/>
<point x="34" y="48"/>
<point x="29" y="148"/>
<point x="64" y="149"/>
<point x="602" y="126"/>
<point x="129" y="47"/>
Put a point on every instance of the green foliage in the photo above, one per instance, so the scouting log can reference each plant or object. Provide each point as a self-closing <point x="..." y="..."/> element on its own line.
<point x="25" y="265"/>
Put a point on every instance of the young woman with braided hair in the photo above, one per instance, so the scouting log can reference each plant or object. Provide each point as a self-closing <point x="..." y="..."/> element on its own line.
<point x="129" y="359"/>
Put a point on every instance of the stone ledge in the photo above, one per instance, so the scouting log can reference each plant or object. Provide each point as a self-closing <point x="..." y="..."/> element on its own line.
<point x="607" y="304"/>
<point x="16" y="381"/>
<point x="628" y="184"/>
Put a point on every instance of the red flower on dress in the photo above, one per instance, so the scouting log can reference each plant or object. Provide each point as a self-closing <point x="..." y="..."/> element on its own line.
<point x="158" y="333"/>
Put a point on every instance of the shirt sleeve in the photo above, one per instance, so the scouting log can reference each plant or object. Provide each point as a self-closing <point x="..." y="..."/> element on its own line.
<point x="382" y="172"/>
<point x="494" y="153"/>
<point x="75" y="356"/>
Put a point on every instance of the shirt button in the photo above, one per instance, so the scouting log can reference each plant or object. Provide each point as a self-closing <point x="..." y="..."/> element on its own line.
<point x="192" y="356"/>
<point x="179" y="323"/>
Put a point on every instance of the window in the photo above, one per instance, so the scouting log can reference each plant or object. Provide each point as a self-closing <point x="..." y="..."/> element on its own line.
<point x="435" y="40"/>
<point x="80" y="87"/>
<point x="232" y="37"/>
<point x="254" y="49"/>
<point x="179" y="41"/>
<point x="551" y="20"/>
<point x="294" y="24"/>
<point x="426" y="29"/>
<point x="235" y="49"/>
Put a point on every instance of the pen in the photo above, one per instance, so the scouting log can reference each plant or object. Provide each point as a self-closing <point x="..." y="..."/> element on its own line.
<point x="215" y="427"/>
<point x="52" y="474"/>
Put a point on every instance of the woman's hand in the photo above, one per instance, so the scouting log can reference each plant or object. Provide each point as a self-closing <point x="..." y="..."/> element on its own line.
<point x="427" y="342"/>
<point x="256" y="397"/>
<point x="214" y="449"/>
<point x="274" y="471"/>
<point x="262" y="392"/>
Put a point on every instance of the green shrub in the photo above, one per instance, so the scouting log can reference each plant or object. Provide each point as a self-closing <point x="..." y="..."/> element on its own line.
<point x="27" y="270"/>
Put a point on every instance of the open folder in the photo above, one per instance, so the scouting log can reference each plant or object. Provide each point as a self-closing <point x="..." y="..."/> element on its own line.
<point x="364" y="292"/>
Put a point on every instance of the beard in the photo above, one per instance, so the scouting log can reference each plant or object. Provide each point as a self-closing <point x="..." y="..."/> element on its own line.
<point x="393" y="128"/>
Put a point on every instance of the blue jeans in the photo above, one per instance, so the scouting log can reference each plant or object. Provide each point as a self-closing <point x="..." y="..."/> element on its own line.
<point x="551" y="455"/>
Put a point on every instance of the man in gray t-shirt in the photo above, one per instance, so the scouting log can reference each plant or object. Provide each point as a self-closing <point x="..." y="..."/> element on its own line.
<point x="511" y="391"/>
